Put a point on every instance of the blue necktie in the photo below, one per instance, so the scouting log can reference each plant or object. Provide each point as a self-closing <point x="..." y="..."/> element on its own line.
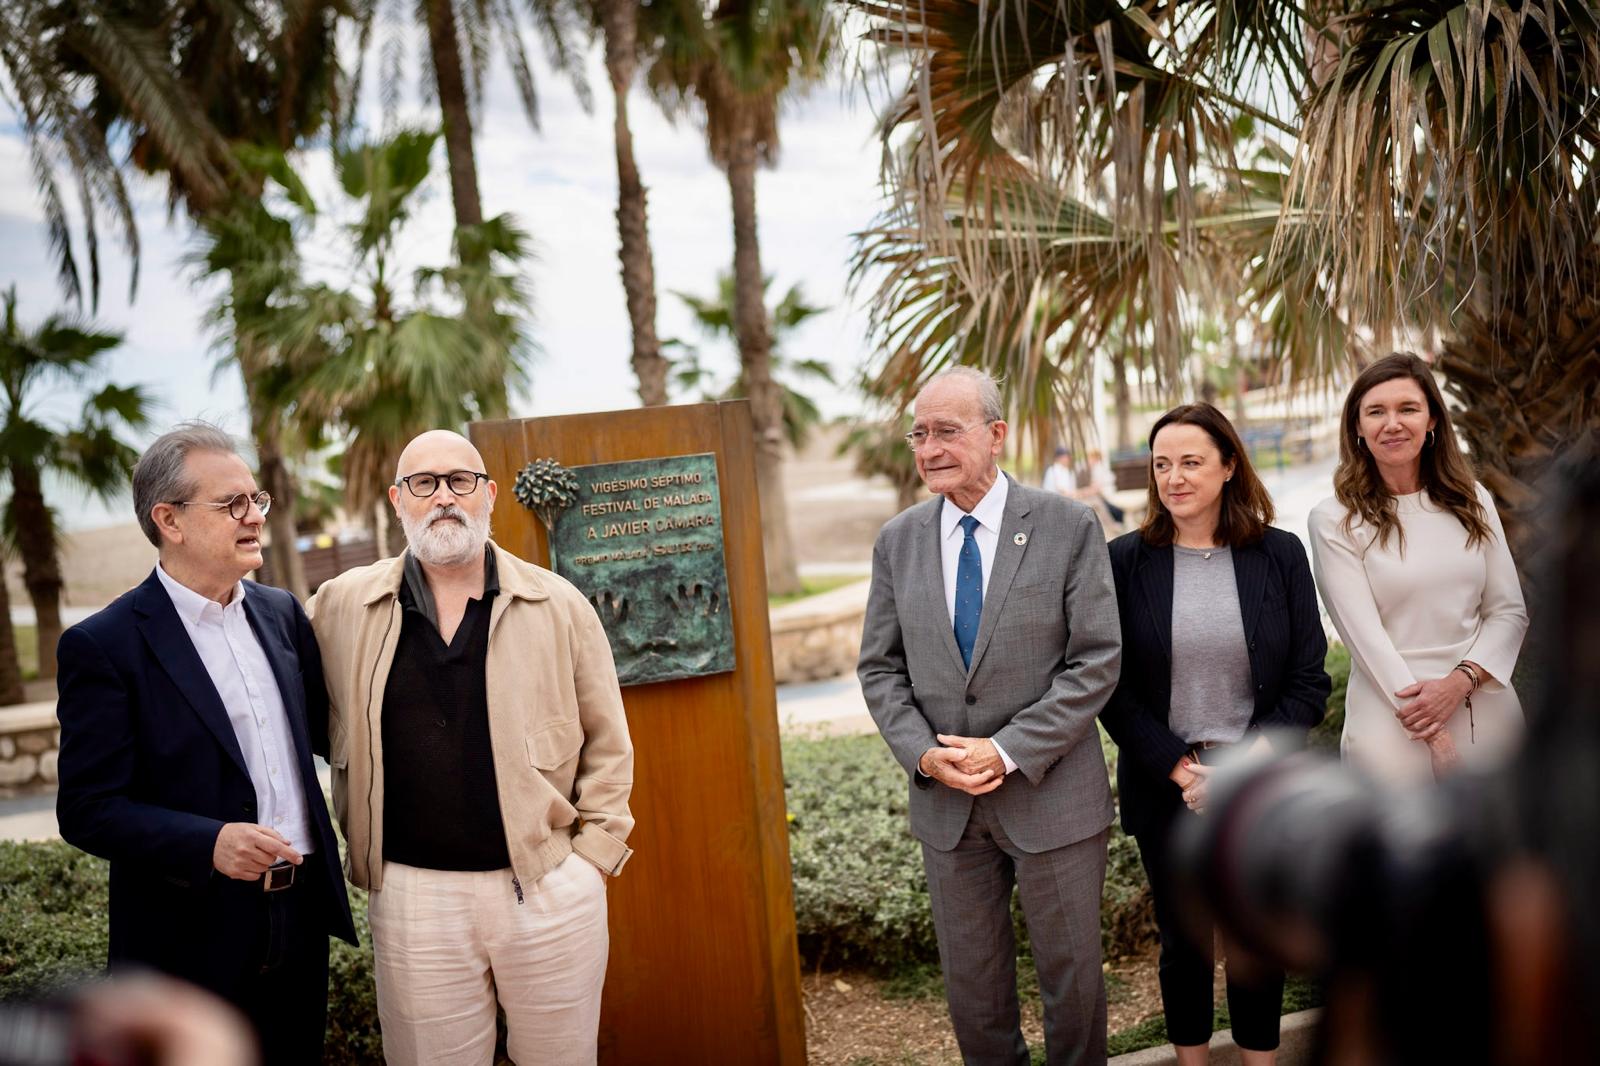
<point x="969" y="592"/>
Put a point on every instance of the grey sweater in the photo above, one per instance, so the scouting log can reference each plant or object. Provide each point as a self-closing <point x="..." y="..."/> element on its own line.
<point x="1211" y="687"/>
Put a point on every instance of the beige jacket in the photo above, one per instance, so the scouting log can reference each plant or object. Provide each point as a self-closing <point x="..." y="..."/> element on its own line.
<point x="562" y="758"/>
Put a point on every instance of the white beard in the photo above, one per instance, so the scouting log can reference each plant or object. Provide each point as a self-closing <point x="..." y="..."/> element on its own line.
<point x="445" y="543"/>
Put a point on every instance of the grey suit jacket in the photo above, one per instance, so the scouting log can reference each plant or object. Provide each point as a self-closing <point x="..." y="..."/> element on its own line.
<point x="1044" y="663"/>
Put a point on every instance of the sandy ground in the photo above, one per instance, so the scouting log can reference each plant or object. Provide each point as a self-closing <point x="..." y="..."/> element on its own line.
<point x="850" y="1019"/>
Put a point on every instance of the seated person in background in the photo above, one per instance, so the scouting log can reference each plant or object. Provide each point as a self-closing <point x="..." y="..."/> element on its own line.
<point x="1102" y="483"/>
<point x="1058" y="476"/>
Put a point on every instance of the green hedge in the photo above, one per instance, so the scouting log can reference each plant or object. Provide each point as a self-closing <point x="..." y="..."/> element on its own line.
<point x="53" y="903"/>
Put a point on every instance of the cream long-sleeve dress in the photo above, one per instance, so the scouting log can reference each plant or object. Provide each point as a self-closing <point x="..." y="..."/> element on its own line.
<point x="1412" y="616"/>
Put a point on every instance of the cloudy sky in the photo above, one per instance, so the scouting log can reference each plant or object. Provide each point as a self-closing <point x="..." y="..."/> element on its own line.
<point x="561" y="185"/>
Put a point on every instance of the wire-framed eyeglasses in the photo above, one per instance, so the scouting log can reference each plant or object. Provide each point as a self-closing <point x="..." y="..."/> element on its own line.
<point x="917" y="438"/>
<point x="238" y="506"/>
<point x="461" y="482"/>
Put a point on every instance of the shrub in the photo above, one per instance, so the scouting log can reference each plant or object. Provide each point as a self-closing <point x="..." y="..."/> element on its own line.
<point x="53" y="932"/>
<point x="859" y="890"/>
<point x="1325" y="737"/>
<point x="53" y="901"/>
<point x="860" y="895"/>
<point x="353" y="1036"/>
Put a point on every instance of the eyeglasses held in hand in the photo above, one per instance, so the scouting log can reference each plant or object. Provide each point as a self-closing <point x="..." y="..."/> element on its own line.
<point x="461" y="482"/>
<point x="238" y="506"/>
<point x="943" y="434"/>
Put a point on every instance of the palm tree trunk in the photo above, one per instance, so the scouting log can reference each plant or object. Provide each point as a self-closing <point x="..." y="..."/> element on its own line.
<point x="266" y="431"/>
<point x="41" y="570"/>
<point x="455" y="113"/>
<point x="287" y="567"/>
<point x="1525" y="374"/>
<point x="454" y="110"/>
<point x="1120" y="399"/>
<point x="755" y="356"/>
<point x="620" y="21"/>
<point x="11" y="690"/>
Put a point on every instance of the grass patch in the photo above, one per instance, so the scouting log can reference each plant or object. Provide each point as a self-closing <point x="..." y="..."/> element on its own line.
<point x="1299" y="993"/>
<point x="1325" y="737"/>
<point x="920" y="980"/>
<point x="1152" y="1032"/>
<point x="27" y="650"/>
<point x="814" y="586"/>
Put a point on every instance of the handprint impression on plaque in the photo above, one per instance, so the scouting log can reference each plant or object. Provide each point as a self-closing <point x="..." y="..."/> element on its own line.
<point x="695" y="601"/>
<point x="643" y="541"/>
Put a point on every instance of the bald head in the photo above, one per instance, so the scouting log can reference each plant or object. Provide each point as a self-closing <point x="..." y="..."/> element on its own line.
<point x="439" y="450"/>
<point x="448" y="526"/>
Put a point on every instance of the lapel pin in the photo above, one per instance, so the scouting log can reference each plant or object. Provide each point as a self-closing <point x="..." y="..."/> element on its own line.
<point x="1020" y="539"/>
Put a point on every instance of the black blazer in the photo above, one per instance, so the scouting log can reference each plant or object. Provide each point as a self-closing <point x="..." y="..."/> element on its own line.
<point x="1282" y="631"/>
<point x="150" y="770"/>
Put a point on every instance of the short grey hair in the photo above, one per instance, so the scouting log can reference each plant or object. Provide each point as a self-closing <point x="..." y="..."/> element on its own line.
<point x="162" y="473"/>
<point x="988" y="389"/>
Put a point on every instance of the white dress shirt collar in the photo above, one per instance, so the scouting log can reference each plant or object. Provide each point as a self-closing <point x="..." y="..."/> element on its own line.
<point x="191" y="606"/>
<point x="989" y="511"/>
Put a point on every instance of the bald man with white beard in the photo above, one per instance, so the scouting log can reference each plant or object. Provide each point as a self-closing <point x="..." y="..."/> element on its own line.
<point x="481" y="774"/>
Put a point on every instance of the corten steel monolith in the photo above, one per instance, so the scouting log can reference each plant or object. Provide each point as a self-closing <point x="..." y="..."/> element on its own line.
<point x="703" y="966"/>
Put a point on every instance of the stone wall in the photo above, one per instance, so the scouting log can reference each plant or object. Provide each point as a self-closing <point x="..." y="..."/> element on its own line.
<point x="818" y="637"/>
<point x="30" y="739"/>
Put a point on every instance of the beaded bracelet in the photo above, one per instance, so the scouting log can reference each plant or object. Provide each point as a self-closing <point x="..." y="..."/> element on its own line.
<point x="1472" y="676"/>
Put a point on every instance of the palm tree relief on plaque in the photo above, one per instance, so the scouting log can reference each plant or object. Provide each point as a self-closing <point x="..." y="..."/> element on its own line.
<point x="642" y="540"/>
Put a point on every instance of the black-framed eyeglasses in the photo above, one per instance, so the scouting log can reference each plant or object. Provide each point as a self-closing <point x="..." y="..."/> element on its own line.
<point x="917" y="438"/>
<point x="461" y="482"/>
<point x="238" y="506"/>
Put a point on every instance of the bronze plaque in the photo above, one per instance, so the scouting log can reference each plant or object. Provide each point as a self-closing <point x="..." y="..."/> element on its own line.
<point x="643" y="540"/>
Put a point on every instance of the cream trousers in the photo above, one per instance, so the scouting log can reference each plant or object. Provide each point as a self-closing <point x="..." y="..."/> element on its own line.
<point x="447" y="943"/>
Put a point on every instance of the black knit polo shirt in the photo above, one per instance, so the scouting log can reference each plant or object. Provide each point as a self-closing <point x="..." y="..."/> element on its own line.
<point x="440" y="807"/>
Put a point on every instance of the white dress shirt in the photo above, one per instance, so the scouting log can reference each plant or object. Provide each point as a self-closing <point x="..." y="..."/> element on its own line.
<point x="989" y="511"/>
<point x="243" y="678"/>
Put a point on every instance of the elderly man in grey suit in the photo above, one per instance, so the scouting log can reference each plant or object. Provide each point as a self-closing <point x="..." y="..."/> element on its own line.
<point x="991" y="644"/>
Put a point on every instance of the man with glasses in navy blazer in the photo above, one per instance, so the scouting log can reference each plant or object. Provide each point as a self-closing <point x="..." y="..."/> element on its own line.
<point x="991" y="642"/>
<point x="186" y="709"/>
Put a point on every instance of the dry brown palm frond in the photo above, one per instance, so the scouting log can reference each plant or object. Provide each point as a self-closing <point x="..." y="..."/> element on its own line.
<point x="1452" y="151"/>
<point x="1017" y="108"/>
<point x="1037" y="320"/>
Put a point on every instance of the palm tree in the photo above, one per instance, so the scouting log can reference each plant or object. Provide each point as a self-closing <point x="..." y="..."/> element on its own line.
<point x="180" y="83"/>
<point x="1462" y="139"/>
<point x="714" y="316"/>
<point x="619" y="24"/>
<point x="461" y="35"/>
<point x="61" y="63"/>
<point x="734" y="67"/>
<point x="372" y="362"/>
<point x="11" y="690"/>
<point x="879" y="449"/>
<point x="1465" y="139"/>
<point x="88" y="453"/>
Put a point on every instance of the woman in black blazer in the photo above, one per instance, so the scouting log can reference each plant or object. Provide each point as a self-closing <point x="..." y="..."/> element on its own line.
<point x="1222" y="648"/>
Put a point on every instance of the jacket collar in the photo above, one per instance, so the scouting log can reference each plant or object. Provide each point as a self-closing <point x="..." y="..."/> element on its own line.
<point x="518" y="579"/>
<point x="169" y="642"/>
<point x="1154" y="572"/>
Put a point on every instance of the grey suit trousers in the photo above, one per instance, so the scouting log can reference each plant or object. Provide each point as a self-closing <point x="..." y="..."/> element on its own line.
<point x="1060" y="889"/>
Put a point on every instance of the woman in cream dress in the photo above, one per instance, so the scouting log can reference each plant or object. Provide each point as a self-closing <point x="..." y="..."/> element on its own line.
<point x="1412" y="564"/>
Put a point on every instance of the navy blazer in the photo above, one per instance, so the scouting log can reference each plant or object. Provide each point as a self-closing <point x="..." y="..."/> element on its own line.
<point x="1282" y="632"/>
<point x="150" y="770"/>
